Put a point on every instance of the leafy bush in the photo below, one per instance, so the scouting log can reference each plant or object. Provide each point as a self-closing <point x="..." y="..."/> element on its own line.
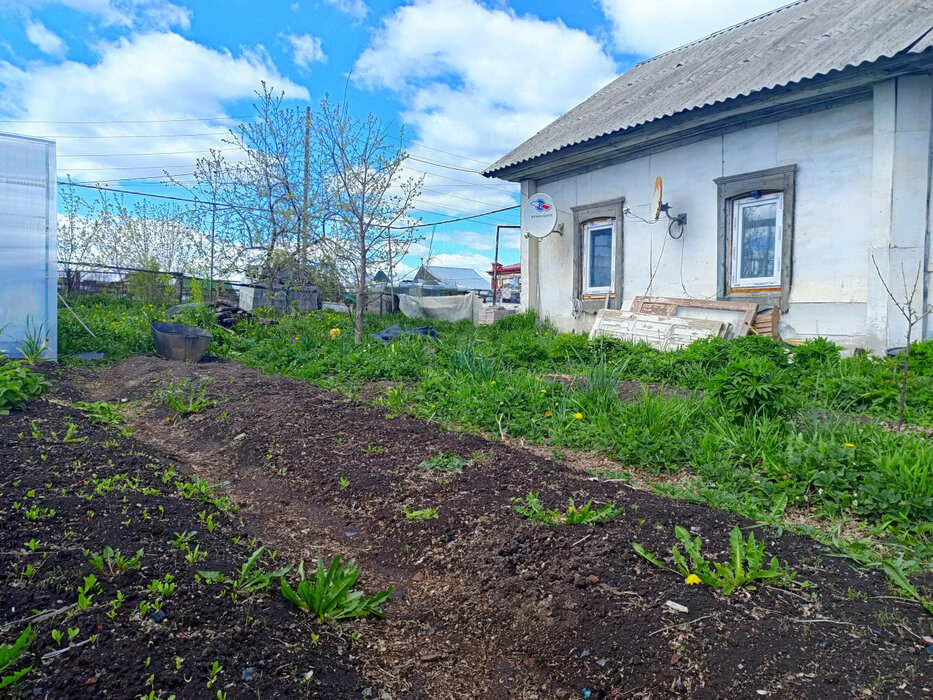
<point x="330" y="594"/>
<point x="753" y="386"/>
<point x="815" y="354"/>
<point x="18" y="385"/>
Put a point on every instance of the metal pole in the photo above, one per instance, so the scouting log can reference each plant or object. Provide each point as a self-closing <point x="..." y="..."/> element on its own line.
<point x="213" y="216"/>
<point x="495" y="270"/>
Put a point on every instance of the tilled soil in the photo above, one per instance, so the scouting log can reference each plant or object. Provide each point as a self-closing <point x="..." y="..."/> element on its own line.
<point x="486" y="603"/>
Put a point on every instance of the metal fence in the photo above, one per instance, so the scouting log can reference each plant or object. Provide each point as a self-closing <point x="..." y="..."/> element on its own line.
<point x="154" y="286"/>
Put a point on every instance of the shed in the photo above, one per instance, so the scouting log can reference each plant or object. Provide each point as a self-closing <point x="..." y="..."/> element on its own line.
<point x="28" y="244"/>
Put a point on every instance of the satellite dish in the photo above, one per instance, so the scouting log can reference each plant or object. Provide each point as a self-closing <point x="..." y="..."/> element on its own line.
<point x="539" y="215"/>
<point x="656" y="200"/>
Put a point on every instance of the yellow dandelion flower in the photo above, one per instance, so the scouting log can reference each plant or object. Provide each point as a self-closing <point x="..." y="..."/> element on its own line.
<point x="544" y="391"/>
<point x="849" y="444"/>
<point x="334" y="333"/>
<point x="692" y="580"/>
<point x="578" y="415"/>
<point x="493" y="381"/>
<point x="547" y="414"/>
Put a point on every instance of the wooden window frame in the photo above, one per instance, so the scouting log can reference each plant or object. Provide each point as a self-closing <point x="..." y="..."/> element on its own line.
<point x="591" y="302"/>
<point x="779" y="180"/>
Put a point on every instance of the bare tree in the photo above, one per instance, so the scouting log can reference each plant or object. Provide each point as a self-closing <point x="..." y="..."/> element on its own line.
<point x="906" y="305"/>
<point x="264" y="199"/>
<point x="145" y="235"/>
<point x="368" y="197"/>
<point x="77" y="235"/>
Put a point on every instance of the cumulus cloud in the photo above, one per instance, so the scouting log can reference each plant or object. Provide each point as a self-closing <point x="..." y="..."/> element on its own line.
<point x="357" y="9"/>
<point x="478" y="81"/>
<point x="152" y="14"/>
<point x="650" y="28"/>
<point x="45" y="39"/>
<point x="183" y="79"/>
<point x="306" y="49"/>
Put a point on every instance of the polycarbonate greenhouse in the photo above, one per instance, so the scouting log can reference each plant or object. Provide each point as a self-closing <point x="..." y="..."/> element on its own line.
<point x="28" y="269"/>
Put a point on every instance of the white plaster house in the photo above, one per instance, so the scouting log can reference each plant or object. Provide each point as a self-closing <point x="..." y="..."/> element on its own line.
<point x="797" y="143"/>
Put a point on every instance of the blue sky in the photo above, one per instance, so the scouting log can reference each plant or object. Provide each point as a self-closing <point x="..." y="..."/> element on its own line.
<point x="468" y="79"/>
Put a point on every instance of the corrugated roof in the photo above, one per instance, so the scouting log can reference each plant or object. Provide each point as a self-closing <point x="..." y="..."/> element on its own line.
<point x="802" y="40"/>
<point x="462" y="276"/>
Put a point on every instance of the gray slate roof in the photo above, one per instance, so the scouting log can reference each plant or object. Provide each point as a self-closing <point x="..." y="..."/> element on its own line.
<point x="802" y="40"/>
<point x="462" y="276"/>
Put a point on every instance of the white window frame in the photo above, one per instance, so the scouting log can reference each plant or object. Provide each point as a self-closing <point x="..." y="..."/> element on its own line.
<point x="588" y="228"/>
<point x="738" y="204"/>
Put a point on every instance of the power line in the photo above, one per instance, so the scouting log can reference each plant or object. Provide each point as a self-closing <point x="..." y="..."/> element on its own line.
<point x="462" y="218"/>
<point x="243" y="206"/>
<point x="125" y="136"/>
<point x="154" y="153"/>
<point x="124" y="121"/>
<point x="455" y="155"/>
<point x="444" y="165"/>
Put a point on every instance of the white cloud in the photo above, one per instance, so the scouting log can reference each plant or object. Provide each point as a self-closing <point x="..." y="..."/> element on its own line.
<point x="183" y="79"/>
<point x="151" y="14"/>
<point x="482" y="241"/>
<point x="357" y="9"/>
<point x="306" y="49"/>
<point x="478" y="81"/>
<point x="48" y="41"/>
<point x="650" y="28"/>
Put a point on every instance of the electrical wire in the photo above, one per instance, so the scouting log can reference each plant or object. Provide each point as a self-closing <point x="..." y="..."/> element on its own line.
<point x="123" y="136"/>
<point x="120" y="121"/>
<point x="243" y="206"/>
<point x="128" y="155"/>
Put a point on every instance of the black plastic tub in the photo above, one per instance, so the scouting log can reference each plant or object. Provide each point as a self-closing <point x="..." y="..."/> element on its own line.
<point x="176" y="341"/>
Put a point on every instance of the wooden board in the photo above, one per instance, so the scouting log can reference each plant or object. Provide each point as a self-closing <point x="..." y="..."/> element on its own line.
<point x="661" y="332"/>
<point x="766" y="323"/>
<point x="741" y="314"/>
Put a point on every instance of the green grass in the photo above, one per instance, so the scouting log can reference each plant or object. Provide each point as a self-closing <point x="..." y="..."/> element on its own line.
<point x="792" y="444"/>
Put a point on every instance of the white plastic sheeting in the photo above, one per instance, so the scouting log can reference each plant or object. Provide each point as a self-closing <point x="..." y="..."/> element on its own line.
<point x="453" y="308"/>
<point x="28" y="247"/>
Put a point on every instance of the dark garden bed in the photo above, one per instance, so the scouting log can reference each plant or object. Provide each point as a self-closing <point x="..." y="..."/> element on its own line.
<point x="487" y="604"/>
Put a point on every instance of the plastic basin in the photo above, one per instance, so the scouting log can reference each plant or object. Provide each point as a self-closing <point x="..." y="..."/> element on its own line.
<point x="176" y="341"/>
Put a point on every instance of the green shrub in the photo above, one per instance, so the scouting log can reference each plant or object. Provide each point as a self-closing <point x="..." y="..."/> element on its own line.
<point x="18" y="385"/>
<point x="815" y="354"/>
<point x="753" y="386"/>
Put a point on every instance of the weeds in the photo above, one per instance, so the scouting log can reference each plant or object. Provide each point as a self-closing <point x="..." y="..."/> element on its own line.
<point x="584" y="515"/>
<point x="186" y="398"/>
<point x="425" y="514"/>
<point x="330" y="594"/>
<point x="101" y="412"/>
<point x="250" y="577"/>
<point x="445" y="462"/>
<point x="10" y="654"/>
<point x="746" y="565"/>
<point x="113" y="562"/>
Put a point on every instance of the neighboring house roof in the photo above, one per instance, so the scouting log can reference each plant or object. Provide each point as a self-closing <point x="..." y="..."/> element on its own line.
<point x="459" y="276"/>
<point x="803" y="40"/>
<point x="507" y="269"/>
